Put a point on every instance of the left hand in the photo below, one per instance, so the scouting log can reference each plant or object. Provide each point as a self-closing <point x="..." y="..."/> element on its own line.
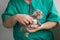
<point x="34" y="29"/>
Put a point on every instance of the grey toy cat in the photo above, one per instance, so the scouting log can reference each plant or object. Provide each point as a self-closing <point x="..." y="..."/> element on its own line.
<point x="36" y="16"/>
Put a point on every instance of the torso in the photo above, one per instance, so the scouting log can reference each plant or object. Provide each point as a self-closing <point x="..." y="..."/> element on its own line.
<point x="23" y="8"/>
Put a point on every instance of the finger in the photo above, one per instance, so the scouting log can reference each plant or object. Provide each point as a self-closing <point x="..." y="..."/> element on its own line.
<point x="28" y="30"/>
<point x="23" y="22"/>
<point x="26" y="22"/>
<point x="32" y="30"/>
<point x="29" y="19"/>
<point x="34" y="26"/>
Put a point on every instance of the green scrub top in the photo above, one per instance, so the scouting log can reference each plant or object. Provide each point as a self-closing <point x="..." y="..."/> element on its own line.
<point x="50" y="14"/>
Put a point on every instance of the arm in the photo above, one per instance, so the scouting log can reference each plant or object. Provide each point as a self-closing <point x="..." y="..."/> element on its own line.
<point x="48" y="25"/>
<point x="8" y="17"/>
<point x="9" y="22"/>
<point x="11" y="16"/>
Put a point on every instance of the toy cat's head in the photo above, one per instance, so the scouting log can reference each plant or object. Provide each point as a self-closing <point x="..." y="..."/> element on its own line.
<point x="37" y="14"/>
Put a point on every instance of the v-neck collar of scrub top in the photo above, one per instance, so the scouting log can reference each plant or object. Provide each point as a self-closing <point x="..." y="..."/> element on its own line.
<point x="35" y="4"/>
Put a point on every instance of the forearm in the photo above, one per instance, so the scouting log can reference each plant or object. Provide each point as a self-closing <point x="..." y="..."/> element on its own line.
<point x="10" y="22"/>
<point x="48" y="25"/>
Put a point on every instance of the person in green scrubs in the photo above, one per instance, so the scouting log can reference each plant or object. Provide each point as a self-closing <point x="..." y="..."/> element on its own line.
<point x="17" y="13"/>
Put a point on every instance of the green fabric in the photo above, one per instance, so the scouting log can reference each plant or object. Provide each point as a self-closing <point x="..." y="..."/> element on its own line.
<point x="20" y="6"/>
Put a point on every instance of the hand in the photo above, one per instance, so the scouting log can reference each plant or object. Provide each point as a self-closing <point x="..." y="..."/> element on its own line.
<point x="33" y="26"/>
<point x="24" y="19"/>
<point x="34" y="29"/>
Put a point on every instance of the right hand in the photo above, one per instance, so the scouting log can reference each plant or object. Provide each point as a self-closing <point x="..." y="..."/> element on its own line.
<point x="24" y="19"/>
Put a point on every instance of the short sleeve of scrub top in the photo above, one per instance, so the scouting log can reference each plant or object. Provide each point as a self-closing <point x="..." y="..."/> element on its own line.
<point x="10" y="11"/>
<point x="53" y="15"/>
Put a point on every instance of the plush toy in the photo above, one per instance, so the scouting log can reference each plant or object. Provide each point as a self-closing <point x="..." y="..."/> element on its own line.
<point x="37" y="15"/>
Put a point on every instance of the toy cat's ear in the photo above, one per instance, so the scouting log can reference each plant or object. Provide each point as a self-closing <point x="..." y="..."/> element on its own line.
<point x="38" y="13"/>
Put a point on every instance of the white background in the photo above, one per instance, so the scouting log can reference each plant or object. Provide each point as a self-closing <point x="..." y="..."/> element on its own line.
<point x="7" y="34"/>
